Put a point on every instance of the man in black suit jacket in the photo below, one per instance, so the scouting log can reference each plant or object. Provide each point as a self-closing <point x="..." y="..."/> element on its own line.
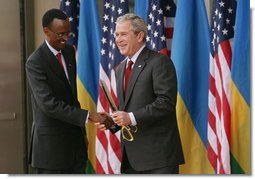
<point x="148" y="103"/>
<point x="58" y="142"/>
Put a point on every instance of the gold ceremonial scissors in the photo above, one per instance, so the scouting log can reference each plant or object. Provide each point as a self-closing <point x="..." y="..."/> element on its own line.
<point x="126" y="132"/>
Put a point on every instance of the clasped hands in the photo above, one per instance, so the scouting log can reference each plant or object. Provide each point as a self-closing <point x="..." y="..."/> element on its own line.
<point x="104" y="120"/>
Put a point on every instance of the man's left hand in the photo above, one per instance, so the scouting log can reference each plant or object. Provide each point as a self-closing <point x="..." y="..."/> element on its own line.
<point x="121" y="118"/>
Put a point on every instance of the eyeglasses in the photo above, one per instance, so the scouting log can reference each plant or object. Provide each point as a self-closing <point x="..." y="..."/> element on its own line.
<point x="62" y="34"/>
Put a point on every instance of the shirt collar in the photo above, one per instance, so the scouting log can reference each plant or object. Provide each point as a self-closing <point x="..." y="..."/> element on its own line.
<point x="135" y="56"/>
<point x="54" y="51"/>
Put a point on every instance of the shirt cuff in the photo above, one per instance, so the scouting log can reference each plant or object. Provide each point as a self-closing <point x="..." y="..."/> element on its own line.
<point x="87" y="118"/>
<point x="132" y="118"/>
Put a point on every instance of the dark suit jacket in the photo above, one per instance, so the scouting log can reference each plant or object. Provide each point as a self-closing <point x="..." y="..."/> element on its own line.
<point x="58" y="121"/>
<point x="151" y="96"/>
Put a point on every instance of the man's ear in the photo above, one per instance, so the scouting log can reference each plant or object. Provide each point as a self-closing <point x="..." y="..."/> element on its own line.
<point x="140" y="36"/>
<point x="46" y="31"/>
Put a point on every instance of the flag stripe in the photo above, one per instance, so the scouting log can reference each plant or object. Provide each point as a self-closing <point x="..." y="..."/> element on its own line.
<point x="101" y="165"/>
<point x="240" y="133"/>
<point x="169" y="33"/>
<point x="212" y="157"/>
<point x="196" y="161"/>
<point x="100" y="169"/>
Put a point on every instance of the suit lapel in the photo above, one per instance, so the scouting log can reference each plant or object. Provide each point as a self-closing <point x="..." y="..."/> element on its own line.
<point x="138" y="67"/>
<point x="54" y="65"/>
<point x="69" y="70"/>
<point x="52" y="61"/>
<point x="120" y="84"/>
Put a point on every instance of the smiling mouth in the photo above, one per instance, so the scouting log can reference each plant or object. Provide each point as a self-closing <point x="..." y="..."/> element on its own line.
<point x="122" y="47"/>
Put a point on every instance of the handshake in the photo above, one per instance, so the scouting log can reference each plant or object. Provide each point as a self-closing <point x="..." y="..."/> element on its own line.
<point x="102" y="118"/>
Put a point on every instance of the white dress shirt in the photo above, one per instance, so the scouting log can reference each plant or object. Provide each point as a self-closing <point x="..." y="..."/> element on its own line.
<point x="134" y="58"/>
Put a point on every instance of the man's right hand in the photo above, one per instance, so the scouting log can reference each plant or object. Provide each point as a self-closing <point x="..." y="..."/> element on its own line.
<point x="102" y="118"/>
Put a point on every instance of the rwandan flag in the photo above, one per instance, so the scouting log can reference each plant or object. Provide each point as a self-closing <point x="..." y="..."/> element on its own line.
<point x="240" y="144"/>
<point x="141" y="8"/>
<point x="190" y="51"/>
<point x="88" y="68"/>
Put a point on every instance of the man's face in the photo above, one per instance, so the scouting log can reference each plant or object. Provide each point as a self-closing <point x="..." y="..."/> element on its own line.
<point x="58" y="33"/>
<point x="127" y="41"/>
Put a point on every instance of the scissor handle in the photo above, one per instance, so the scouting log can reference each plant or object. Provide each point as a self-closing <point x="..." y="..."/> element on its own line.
<point x="128" y="130"/>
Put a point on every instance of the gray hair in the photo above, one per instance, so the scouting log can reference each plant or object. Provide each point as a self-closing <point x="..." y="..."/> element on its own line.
<point x="137" y="23"/>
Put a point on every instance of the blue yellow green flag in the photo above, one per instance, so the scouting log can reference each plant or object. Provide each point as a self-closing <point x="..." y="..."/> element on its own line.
<point x="240" y="117"/>
<point x="190" y="53"/>
<point x="88" y="68"/>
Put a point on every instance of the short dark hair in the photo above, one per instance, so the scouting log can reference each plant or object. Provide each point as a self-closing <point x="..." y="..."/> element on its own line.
<point x="52" y="14"/>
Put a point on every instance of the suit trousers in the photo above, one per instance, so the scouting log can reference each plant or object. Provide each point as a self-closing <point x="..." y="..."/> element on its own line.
<point x="128" y="169"/>
<point x="79" y="167"/>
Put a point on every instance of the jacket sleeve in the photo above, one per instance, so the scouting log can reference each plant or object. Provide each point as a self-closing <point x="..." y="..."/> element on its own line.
<point x="164" y="84"/>
<point x="42" y="94"/>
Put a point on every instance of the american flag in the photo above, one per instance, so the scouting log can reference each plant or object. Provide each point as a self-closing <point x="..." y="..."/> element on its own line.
<point x="72" y="9"/>
<point x="219" y="113"/>
<point x="108" y="149"/>
<point x="160" y="25"/>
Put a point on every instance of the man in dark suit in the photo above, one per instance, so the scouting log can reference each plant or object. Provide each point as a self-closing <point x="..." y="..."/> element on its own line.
<point x="147" y="102"/>
<point x="58" y="142"/>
